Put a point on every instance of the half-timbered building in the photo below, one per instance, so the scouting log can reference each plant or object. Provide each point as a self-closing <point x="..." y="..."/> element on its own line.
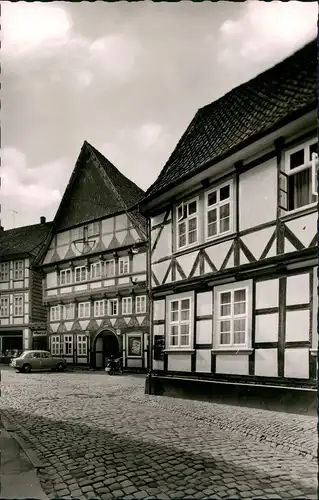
<point x="94" y="267"/>
<point x="234" y="240"/>
<point x="22" y="314"/>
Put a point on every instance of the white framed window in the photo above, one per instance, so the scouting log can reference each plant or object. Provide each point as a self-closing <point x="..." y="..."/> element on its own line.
<point x="100" y="308"/>
<point x="55" y="345"/>
<point x="80" y="274"/>
<point x="113" y="307"/>
<point x="65" y="277"/>
<point x="68" y="345"/>
<point x="55" y="313"/>
<point x="187" y="223"/>
<point x="18" y="305"/>
<point x="219" y="210"/>
<point x="81" y="341"/>
<point x="84" y="309"/>
<point x="96" y="270"/>
<point x="179" y="323"/>
<point x="109" y="268"/>
<point x="4" y="271"/>
<point x="233" y="315"/>
<point x="124" y="265"/>
<point x="4" y="306"/>
<point x="140" y="304"/>
<point x="18" y="270"/>
<point x="297" y="188"/>
<point x="67" y="311"/>
<point x="127" y="305"/>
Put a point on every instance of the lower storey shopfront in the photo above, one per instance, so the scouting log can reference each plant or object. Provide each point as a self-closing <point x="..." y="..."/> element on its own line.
<point x="11" y="340"/>
<point x="94" y="348"/>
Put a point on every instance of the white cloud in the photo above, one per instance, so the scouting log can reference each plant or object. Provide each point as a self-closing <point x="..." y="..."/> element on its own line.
<point x="41" y="31"/>
<point x="28" y="27"/>
<point x="29" y="190"/>
<point x="267" y="31"/>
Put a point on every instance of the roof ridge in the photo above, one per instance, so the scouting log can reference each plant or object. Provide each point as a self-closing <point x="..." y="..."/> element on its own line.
<point x="259" y="76"/>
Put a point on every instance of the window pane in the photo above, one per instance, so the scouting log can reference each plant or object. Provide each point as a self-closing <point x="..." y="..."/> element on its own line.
<point x="225" y="332"/>
<point x="185" y="304"/>
<point x="174" y="305"/>
<point x="225" y="301"/>
<point x="240" y="295"/>
<point x="239" y="337"/>
<point x="184" y="340"/>
<point x="224" y="211"/>
<point x="182" y="234"/>
<point x="192" y="208"/>
<point x="297" y="159"/>
<point x="192" y="230"/>
<point x="300" y="189"/>
<point x="180" y="212"/>
<point x="224" y="193"/>
<point x="212" y="222"/>
<point x="212" y="198"/>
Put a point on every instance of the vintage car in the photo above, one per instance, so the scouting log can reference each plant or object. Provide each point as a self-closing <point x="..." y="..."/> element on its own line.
<point x="37" y="360"/>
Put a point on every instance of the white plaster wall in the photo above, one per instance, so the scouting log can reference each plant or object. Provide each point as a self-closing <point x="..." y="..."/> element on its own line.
<point x="18" y="284"/>
<point x="266" y="363"/>
<point x="164" y="244"/>
<point x="267" y="293"/>
<point x="108" y="225"/>
<point x="266" y="329"/>
<point x="264" y="199"/>
<point x="67" y="289"/>
<point x="204" y="304"/>
<point x="121" y="222"/>
<point x="159" y="310"/>
<point x="298" y="289"/>
<point x="232" y="364"/>
<point x="159" y="329"/>
<point x="304" y="227"/>
<point x="203" y="360"/>
<point x="26" y="339"/>
<point x="158" y="219"/>
<point x="297" y="363"/>
<point x="160" y="270"/>
<point x="134" y="363"/>
<point x="95" y="284"/>
<point x="139" y="262"/>
<point x="51" y="280"/>
<point x="297" y="326"/>
<point x="63" y="238"/>
<point x="204" y="331"/>
<point x="179" y="362"/>
<point x="80" y="288"/>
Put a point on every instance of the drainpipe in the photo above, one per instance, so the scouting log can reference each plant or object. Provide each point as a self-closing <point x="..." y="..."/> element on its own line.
<point x="150" y="302"/>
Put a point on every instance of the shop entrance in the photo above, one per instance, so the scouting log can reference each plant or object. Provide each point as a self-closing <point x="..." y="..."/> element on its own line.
<point x="11" y="342"/>
<point x="105" y="345"/>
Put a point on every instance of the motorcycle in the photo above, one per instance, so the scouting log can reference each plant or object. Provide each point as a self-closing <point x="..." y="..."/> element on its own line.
<point x="114" y="366"/>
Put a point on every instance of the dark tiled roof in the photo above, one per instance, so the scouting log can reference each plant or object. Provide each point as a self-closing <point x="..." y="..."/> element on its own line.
<point x="23" y="240"/>
<point x="241" y="115"/>
<point x="96" y="189"/>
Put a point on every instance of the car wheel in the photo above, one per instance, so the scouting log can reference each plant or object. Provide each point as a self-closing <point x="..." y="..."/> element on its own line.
<point x="60" y="367"/>
<point x="26" y="368"/>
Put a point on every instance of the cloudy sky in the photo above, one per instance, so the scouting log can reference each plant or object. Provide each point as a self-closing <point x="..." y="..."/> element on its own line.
<point x="127" y="77"/>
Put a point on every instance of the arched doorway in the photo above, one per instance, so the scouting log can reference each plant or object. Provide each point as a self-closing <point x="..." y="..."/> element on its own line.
<point x="105" y="345"/>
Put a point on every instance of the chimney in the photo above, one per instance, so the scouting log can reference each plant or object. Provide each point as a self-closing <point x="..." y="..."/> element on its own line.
<point x="1" y="229"/>
<point x="42" y="220"/>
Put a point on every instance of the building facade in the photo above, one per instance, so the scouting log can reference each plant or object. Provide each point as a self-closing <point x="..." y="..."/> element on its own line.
<point x="94" y="268"/>
<point x="234" y="239"/>
<point x="22" y="314"/>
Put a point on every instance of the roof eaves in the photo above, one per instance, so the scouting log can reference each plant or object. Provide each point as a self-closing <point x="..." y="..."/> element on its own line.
<point x="247" y="142"/>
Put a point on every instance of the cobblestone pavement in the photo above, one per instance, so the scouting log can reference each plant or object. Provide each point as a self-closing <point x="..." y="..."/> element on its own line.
<point x="101" y="437"/>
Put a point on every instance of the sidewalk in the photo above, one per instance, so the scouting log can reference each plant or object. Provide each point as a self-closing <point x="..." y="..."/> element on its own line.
<point x="18" y="478"/>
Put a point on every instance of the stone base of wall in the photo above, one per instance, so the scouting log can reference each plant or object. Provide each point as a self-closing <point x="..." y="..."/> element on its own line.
<point x="273" y="398"/>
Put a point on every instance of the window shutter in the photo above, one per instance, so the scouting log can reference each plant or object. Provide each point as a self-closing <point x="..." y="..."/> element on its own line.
<point x="314" y="173"/>
<point x="283" y="191"/>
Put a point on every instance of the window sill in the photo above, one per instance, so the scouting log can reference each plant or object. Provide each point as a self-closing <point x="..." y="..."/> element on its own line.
<point x="179" y="350"/>
<point x="313" y="352"/>
<point x="299" y="211"/>
<point x="233" y="351"/>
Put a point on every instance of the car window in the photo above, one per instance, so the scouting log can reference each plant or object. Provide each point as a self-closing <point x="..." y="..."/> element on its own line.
<point x="46" y="355"/>
<point x="36" y="355"/>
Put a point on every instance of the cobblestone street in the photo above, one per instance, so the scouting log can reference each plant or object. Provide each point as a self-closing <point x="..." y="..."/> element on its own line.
<point x="101" y="437"/>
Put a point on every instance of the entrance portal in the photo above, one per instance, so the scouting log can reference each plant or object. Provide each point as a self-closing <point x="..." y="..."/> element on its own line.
<point x="105" y="345"/>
